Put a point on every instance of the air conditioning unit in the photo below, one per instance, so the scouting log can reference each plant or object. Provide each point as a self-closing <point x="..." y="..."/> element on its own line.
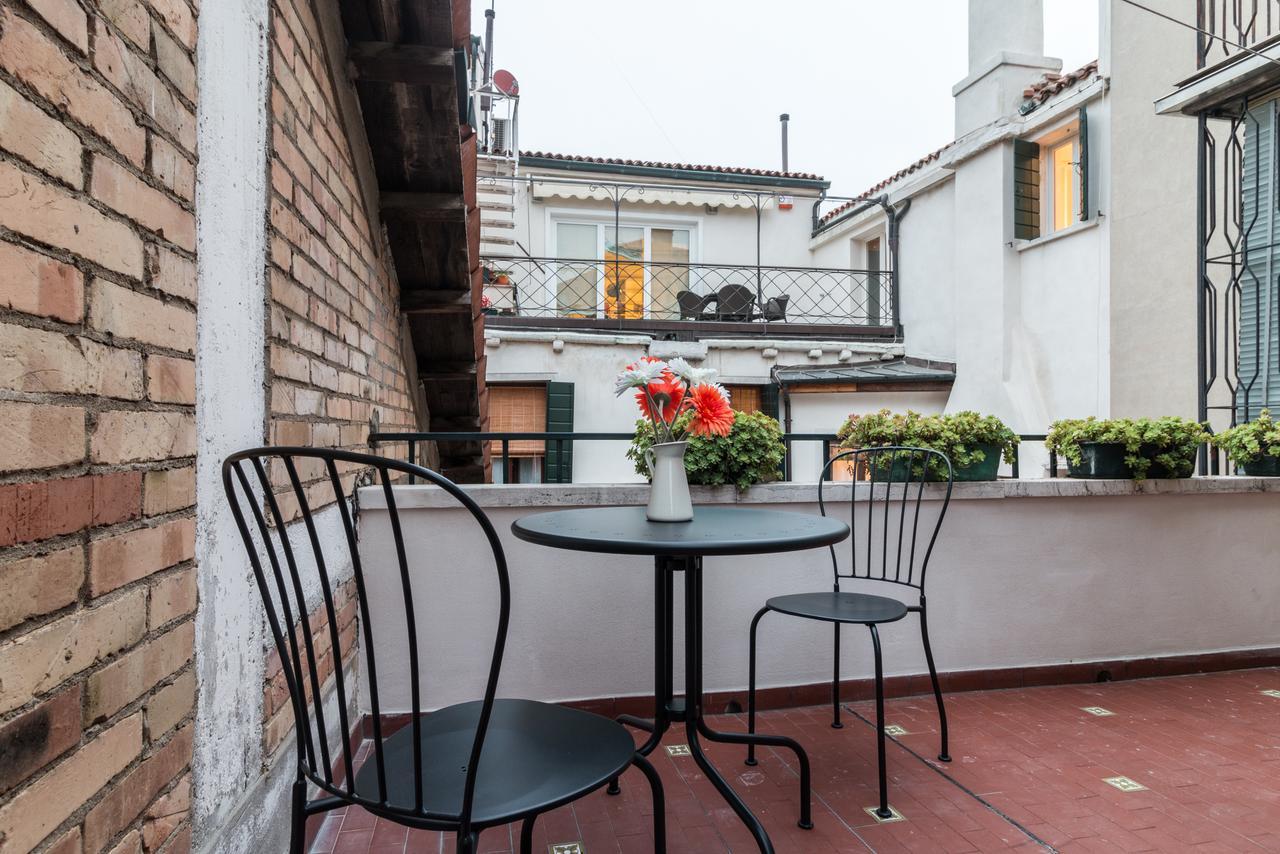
<point x="501" y="140"/>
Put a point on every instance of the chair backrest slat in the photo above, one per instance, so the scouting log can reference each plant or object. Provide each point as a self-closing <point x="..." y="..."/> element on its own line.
<point x="896" y="480"/>
<point x="288" y="615"/>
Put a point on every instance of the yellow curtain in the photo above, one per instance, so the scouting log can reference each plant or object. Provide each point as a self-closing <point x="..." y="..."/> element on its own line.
<point x="623" y="287"/>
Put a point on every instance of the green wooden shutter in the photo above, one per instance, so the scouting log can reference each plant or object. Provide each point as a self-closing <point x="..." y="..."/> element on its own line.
<point x="1084" y="164"/>
<point x="1026" y="190"/>
<point x="1259" y="324"/>
<point x="559" y="464"/>
<point x="770" y="403"/>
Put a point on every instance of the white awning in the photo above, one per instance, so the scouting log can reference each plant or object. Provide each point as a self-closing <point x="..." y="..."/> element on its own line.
<point x="648" y="195"/>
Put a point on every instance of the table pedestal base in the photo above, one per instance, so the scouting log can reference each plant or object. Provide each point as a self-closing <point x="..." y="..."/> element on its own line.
<point x="668" y="709"/>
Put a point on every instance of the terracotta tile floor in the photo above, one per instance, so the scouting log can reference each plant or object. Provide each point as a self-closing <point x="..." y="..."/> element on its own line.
<point x="1029" y="773"/>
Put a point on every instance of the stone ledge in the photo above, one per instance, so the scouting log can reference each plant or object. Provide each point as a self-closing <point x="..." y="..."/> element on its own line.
<point x="616" y="494"/>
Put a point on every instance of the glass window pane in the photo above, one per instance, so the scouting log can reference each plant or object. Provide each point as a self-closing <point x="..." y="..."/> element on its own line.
<point x="624" y="273"/>
<point x="576" y="283"/>
<point x="1064" y="185"/>
<point x="669" y="272"/>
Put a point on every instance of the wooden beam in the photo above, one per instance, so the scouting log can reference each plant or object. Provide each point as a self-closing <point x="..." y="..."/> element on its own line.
<point x="424" y="207"/>
<point x="416" y="65"/>
<point x="434" y="301"/>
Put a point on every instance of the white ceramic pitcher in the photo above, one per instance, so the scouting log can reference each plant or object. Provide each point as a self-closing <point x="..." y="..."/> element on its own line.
<point x="668" y="487"/>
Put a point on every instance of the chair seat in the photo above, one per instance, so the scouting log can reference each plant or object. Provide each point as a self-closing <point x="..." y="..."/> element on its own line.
<point x="536" y="757"/>
<point x="840" y="607"/>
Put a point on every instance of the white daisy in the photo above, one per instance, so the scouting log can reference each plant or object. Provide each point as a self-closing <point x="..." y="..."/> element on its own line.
<point x="681" y="368"/>
<point x="637" y="376"/>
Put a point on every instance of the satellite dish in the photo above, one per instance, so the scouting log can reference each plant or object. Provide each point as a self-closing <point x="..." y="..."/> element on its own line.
<point x="506" y="82"/>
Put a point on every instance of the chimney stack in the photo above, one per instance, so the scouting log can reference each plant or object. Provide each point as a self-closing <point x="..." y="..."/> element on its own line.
<point x="1006" y="55"/>
<point x="784" y="118"/>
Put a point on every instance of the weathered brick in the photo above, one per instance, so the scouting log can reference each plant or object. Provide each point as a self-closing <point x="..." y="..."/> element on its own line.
<point x="36" y="360"/>
<point x="116" y="561"/>
<point x="172" y="597"/>
<point x="171" y="380"/>
<point x="42" y="659"/>
<point x="172" y="273"/>
<point x="177" y="15"/>
<point x="166" y="813"/>
<point x="68" y="843"/>
<point x="41" y="509"/>
<point x="130" y="17"/>
<point x="34" y="586"/>
<point x="131" y="437"/>
<point x="35" y="436"/>
<point x="37" y="284"/>
<point x="130" y="314"/>
<point x="166" y="490"/>
<point x="172" y="168"/>
<point x="67" y="18"/>
<point x="45" y="212"/>
<point x="132" y="75"/>
<point x="176" y="64"/>
<point x="166" y="707"/>
<point x="36" y="137"/>
<point x="37" y="737"/>
<point x="121" y="190"/>
<point x="129" y="677"/>
<point x="41" y="64"/>
<point x="45" y="804"/>
<point x="126" y="801"/>
<point x="130" y="843"/>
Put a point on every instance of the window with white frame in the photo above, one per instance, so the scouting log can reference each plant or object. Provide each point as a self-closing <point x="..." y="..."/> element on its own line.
<point x="1051" y="180"/>
<point x="1062" y="185"/>
<point x="638" y="272"/>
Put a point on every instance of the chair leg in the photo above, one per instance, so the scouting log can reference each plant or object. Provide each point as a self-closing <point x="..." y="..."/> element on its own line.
<point x="883" y="810"/>
<point x="298" y="818"/>
<point x="944" y="755"/>
<point x="751" y="686"/>
<point x="526" y="835"/>
<point x="835" y="683"/>
<point x="614" y="788"/>
<point x="659" y="804"/>
<point x="468" y="843"/>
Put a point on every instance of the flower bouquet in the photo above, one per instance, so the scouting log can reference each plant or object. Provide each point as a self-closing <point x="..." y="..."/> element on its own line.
<point x="679" y="400"/>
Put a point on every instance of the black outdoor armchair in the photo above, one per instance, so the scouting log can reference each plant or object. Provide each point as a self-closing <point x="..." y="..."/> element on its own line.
<point x="458" y="769"/>
<point x="694" y="306"/>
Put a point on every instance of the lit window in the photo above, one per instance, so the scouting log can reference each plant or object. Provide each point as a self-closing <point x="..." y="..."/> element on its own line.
<point x="1063" y="184"/>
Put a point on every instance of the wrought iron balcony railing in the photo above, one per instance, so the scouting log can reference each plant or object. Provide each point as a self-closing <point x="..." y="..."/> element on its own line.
<point x="1229" y="27"/>
<point x="621" y="293"/>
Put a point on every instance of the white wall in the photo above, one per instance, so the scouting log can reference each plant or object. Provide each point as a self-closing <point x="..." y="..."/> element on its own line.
<point x="1016" y="581"/>
<point x="230" y="400"/>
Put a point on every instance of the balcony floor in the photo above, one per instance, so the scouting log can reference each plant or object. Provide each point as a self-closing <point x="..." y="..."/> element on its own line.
<point x="1029" y="772"/>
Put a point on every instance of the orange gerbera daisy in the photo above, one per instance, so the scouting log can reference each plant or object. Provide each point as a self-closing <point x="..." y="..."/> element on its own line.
<point x="711" y="411"/>
<point x="663" y="398"/>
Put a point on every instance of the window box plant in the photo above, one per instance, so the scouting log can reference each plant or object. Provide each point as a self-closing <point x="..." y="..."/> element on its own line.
<point x="751" y="453"/>
<point x="974" y="443"/>
<point x="1124" y="448"/>
<point x="1253" y="446"/>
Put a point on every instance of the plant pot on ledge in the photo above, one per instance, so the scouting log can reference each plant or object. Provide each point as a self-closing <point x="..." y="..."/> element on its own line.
<point x="1253" y="446"/>
<point x="1100" y="461"/>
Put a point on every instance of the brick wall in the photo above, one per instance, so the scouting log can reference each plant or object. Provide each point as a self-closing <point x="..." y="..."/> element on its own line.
<point x="97" y="424"/>
<point x="335" y="344"/>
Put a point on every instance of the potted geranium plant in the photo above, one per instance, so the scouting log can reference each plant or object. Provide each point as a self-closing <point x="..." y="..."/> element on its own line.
<point x="1253" y="446"/>
<point x="751" y="453"/>
<point x="974" y="443"/>
<point x="678" y="401"/>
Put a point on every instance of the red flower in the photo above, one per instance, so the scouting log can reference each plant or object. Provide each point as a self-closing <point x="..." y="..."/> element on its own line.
<point x="666" y="394"/>
<point x="711" y="411"/>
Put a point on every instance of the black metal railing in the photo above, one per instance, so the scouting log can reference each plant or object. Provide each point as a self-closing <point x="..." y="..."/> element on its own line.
<point x="1229" y="27"/>
<point x="618" y="289"/>
<point x="563" y="442"/>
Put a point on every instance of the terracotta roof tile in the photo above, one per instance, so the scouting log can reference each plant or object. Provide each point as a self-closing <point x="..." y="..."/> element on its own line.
<point x="1051" y="84"/>
<point x="689" y="167"/>
<point x="1037" y="93"/>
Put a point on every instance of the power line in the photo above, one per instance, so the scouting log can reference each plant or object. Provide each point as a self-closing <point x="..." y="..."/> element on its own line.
<point x="1211" y="35"/>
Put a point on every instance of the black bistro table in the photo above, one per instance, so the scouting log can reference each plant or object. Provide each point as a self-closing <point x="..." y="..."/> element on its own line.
<point x="680" y="547"/>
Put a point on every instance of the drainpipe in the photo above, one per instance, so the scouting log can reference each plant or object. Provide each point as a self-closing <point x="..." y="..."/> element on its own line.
<point x="784" y="118"/>
<point x="895" y="221"/>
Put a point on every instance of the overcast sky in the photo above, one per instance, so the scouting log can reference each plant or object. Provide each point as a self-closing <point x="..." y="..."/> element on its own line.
<point x="867" y="84"/>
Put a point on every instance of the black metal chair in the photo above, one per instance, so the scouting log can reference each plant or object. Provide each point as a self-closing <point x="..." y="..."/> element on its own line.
<point x="775" y="308"/>
<point x="695" y="307"/>
<point x="883" y="548"/>
<point x="735" y="303"/>
<point x="459" y="769"/>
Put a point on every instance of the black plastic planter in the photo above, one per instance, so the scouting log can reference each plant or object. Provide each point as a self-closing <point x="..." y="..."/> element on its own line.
<point x="1264" y="466"/>
<point x="988" y="469"/>
<point x="1184" y="468"/>
<point x="1101" y="461"/>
